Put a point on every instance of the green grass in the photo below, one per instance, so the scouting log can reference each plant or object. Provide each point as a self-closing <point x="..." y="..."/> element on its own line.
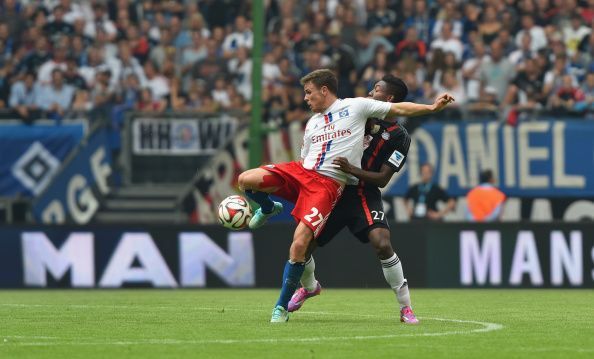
<point x="339" y="323"/>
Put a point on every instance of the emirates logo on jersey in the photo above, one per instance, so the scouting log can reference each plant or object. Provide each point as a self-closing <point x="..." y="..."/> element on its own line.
<point x="331" y="135"/>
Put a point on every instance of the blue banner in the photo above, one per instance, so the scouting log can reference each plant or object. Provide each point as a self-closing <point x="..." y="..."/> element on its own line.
<point x="31" y="155"/>
<point x="75" y="193"/>
<point x="544" y="158"/>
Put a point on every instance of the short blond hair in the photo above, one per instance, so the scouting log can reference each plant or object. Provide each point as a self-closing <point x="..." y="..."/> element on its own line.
<point x="322" y="77"/>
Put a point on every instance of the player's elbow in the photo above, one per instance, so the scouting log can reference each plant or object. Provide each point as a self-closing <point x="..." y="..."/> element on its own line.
<point x="383" y="183"/>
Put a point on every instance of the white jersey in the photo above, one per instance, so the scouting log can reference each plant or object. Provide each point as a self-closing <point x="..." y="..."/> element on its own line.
<point x="339" y="132"/>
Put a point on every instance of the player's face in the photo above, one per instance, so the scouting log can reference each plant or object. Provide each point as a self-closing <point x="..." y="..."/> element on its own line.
<point x="426" y="173"/>
<point x="379" y="92"/>
<point x="314" y="96"/>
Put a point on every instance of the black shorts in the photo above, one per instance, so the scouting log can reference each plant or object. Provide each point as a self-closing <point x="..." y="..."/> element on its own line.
<point x="360" y="209"/>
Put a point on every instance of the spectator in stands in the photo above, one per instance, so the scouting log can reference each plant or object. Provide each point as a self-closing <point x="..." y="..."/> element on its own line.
<point x="588" y="89"/>
<point x="471" y="70"/>
<point x="241" y="37"/>
<point x="58" y="60"/>
<point x="381" y="20"/>
<point x="448" y="14"/>
<point x="367" y="45"/>
<point x="149" y="103"/>
<point x="422" y="198"/>
<point x="421" y="21"/>
<point x="537" y="33"/>
<point x="164" y="50"/>
<point x="554" y="77"/>
<point x="56" y="96"/>
<point x="564" y="100"/>
<point x="451" y="83"/>
<point x="525" y="93"/>
<point x="23" y="98"/>
<point x="349" y="27"/>
<point x="342" y="60"/>
<point x="33" y="61"/>
<point x="219" y="93"/>
<point x="125" y="64"/>
<point x="72" y="75"/>
<point x="486" y="105"/>
<point x="490" y="26"/>
<point x="449" y="64"/>
<point x="101" y="22"/>
<point x="213" y="65"/>
<point x="447" y="42"/>
<point x="376" y="70"/>
<point x="58" y="27"/>
<point x="497" y="71"/>
<point x="485" y="201"/>
<point x="102" y="93"/>
<point x="240" y="69"/>
<point x="412" y="47"/>
<point x="519" y="57"/>
<point x="574" y="33"/>
<point x="155" y="81"/>
<point x="194" y="53"/>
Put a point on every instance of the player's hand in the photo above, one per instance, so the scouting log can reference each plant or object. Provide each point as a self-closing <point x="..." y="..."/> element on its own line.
<point x="442" y="101"/>
<point x="343" y="164"/>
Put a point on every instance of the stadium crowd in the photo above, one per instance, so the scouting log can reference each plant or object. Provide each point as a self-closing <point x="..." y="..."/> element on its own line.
<point x="506" y="59"/>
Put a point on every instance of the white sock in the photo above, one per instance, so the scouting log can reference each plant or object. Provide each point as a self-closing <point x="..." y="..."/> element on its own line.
<point x="308" y="279"/>
<point x="392" y="269"/>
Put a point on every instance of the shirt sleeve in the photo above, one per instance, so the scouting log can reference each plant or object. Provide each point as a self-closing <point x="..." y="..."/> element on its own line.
<point x="373" y="108"/>
<point x="396" y="160"/>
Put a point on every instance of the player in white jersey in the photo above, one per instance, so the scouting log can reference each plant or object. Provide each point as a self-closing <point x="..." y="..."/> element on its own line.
<point x="314" y="184"/>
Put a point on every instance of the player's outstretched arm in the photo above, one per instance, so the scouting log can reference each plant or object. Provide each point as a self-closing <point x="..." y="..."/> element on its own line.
<point x="379" y="179"/>
<point x="409" y="109"/>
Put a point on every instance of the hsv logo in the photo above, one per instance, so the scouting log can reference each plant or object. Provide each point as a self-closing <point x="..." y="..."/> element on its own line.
<point x="343" y="113"/>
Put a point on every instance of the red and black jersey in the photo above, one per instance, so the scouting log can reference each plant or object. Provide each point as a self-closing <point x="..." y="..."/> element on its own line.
<point x="387" y="146"/>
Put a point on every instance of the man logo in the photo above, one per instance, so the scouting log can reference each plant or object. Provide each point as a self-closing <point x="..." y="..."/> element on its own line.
<point x="35" y="168"/>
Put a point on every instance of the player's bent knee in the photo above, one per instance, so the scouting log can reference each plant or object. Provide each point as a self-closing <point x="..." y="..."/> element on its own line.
<point x="380" y="239"/>
<point x="301" y="242"/>
<point x="248" y="180"/>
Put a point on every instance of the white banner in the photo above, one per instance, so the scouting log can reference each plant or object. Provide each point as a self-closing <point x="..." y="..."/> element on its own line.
<point x="174" y="137"/>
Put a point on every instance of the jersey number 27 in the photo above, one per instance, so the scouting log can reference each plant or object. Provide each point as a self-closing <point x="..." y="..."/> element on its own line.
<point x="314" y="215"/>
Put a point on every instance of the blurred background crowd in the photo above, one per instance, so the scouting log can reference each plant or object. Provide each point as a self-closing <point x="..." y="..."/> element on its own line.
<point x="504" y="59"/>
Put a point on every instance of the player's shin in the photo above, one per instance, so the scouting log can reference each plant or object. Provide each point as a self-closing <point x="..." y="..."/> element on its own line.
<point x="394" y="275"/>
<point x="291" y="277"/>
<point x="308" y="279"/>
<point x="261" y="198"/>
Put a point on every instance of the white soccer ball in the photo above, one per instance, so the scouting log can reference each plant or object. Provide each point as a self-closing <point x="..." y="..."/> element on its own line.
<point x="235" y="212"/>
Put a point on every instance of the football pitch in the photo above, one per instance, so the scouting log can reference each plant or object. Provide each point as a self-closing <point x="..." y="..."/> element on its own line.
<point x="339" y="323"/>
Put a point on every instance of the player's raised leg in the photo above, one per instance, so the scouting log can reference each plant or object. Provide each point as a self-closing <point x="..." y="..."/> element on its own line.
<point x="392" y="268"/>
<point x="293" y="270"/>
<point x="257" y="183"/>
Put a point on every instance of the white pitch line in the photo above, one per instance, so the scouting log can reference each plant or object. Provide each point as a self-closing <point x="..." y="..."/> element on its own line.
<point x="486" y="327"/>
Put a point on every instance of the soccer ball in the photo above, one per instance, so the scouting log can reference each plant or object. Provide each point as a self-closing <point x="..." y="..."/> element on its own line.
<point x="235" y="212"/>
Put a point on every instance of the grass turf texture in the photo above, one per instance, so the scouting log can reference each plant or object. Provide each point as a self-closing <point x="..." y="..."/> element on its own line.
<point x="235" y="323"/>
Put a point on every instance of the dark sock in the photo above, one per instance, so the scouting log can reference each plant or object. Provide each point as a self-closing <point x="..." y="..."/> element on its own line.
<point x="261" y="198"/>
<point x="291" y="278"/>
